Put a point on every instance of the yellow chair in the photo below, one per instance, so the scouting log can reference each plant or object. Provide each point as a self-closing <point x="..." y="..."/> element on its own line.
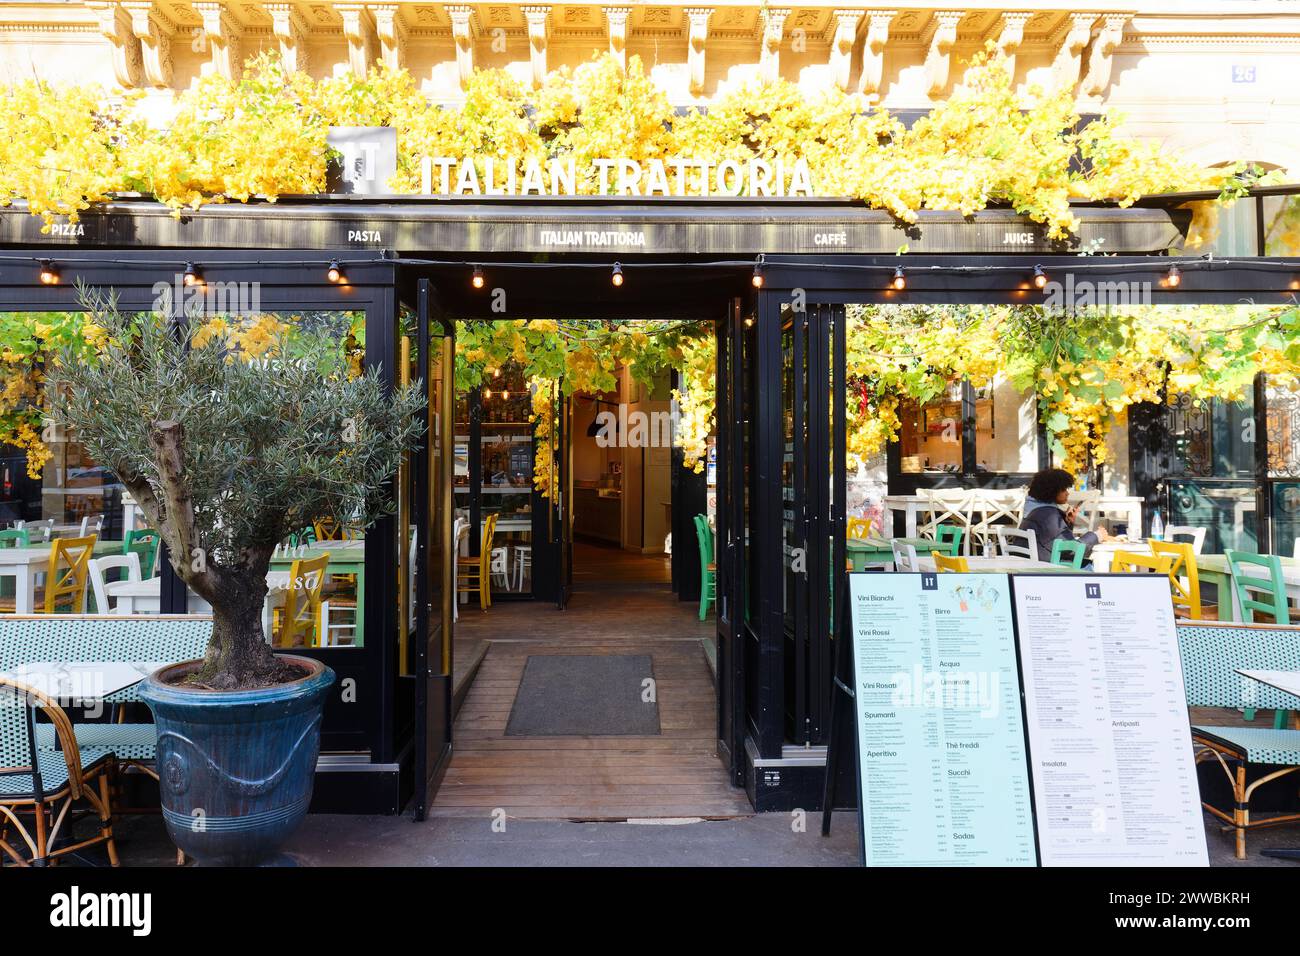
<point x="943" y="562"/>
<point x="859" y="527"/>
<point x="475" y="574"/>
<point x="65" y="581"/>
<point x="1186" y="598"/>
<point x="297" y="624"/>
<point x="327" y="529"/>
<point x="1127" y="562"/>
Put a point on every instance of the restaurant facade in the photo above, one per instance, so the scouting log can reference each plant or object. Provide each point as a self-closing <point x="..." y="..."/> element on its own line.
<point x="409" y="265"/>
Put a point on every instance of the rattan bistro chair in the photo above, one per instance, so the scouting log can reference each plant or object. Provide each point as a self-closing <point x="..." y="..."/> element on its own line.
<point x="45" y="784"/>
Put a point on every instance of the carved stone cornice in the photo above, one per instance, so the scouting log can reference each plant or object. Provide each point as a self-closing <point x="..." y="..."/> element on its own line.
<point x="221" y="33"/>
<point x="462" y="32"/>
<point x="1103" y="49"/>
<point x="290" y="30"/>
<point x="115" y="25"/>
<point x="1011" y="34"/>
<point x="942" y="38"/>
<point x="873" y="50"/>
<point x="359" y="31"/>
<point x="154" y="31"/>
<point x="1074" y="37"/>
<point x="769" y="62"/>
<point x="391" y="31"/>
<point x="538" y="18"/>
<point x="846" y="33"/>
<point x="697" y="41"/>
<point x="616" y="22"/>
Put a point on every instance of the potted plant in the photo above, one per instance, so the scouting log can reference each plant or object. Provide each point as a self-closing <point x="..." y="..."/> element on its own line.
<point x="231" y="433"/>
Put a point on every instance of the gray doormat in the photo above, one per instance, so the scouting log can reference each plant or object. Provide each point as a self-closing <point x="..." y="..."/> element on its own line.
<point x="584" y="695"/>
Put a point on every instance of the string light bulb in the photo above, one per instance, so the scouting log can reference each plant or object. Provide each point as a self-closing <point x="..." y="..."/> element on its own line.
<point x="335" y="271"/>
<point x="757" y="279"/>
<point x="1175" y="278"/>
<point x="49" y="273"/>
<point x="616" y="276"/>
<point x="478" y="280"/>
<point x="192" y="274"/>
<point x="900" y="280"/>
<point x="1040" y="277"/>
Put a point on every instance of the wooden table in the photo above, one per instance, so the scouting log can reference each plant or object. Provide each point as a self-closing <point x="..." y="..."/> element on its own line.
<point x="998" y="565"/>
<point x="25" y="564"/>
<point x="866" y="552"/>
<point x="1125" y="507"/>
<point x="1213" y="569"/>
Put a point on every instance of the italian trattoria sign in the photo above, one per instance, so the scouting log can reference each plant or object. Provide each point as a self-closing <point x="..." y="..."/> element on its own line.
<point x="496" y="176"/>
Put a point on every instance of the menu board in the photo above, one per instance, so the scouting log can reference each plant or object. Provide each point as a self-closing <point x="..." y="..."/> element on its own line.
<point x="1111" y="752"/>
<point x="941" y="737"/>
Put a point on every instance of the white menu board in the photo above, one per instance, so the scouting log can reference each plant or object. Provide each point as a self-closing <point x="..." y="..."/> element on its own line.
<point x="941" y="737"/>
<point x="1109" y="740"/>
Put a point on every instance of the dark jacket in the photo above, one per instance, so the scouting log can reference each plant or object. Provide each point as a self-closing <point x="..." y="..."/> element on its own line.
<point x="1048" y="523"/>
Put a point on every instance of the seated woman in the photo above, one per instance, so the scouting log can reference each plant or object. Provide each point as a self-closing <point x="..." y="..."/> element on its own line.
<point x="1047" y="516"/>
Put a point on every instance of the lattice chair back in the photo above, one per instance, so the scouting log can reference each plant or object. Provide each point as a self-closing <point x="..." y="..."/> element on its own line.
<point x="1197" y="535"/>
<point x="996" y="509"/>
<point x="1182" y="566"/>
<point x="301" y="618"/>
<point x="103" y="637"/>
<point x="65" y="581"/>
<point x="1212" y="653"/>
<point x="946" y="506"/>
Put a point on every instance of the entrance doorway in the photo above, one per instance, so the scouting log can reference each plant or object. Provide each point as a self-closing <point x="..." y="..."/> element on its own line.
<point x="585" y="686"/>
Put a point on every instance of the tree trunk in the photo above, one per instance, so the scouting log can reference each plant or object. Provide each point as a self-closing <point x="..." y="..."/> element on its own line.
<point x="238" y="655"/>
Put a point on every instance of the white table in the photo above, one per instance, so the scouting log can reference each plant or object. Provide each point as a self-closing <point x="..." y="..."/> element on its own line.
<point x="1286" y="681"/>
<point x="23" y="565"/>
<point x="145" y="597"/>
<point x="83" y="680"/>
<point x="1125" y="508"/>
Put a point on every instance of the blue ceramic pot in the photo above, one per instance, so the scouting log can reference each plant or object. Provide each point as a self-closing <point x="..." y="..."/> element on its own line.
<point x="236" y="767"/>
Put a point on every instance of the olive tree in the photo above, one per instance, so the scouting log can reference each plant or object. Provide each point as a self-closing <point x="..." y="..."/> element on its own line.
<point x="229" y="449"/>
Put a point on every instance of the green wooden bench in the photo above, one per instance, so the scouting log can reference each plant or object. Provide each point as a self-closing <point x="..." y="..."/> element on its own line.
<point x="26" y="639"/>
<point x="1211" y="655"/>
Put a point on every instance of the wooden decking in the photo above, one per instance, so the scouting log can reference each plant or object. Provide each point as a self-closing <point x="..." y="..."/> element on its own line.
<point x="674" y="774"/>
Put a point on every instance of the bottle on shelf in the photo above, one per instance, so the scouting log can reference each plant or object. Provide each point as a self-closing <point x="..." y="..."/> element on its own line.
<point x="1157" y="527"/>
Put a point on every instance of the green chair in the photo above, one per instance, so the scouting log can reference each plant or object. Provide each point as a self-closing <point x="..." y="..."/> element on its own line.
<point x="1067" y="553"/>
<point x="948" y="536"/>
<point x="143" y="542"/>
<point x="15" y="538"/>
<point x="1260" y="587"/>
<point x="708" y="580"/>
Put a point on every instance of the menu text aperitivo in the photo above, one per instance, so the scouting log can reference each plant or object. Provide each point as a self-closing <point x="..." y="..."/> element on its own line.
<point x="941" y="740"/>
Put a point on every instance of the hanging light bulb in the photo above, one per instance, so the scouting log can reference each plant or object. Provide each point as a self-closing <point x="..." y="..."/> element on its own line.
<point x="616" y="276"/>
<point x="900" y="280"/>
<point x="757" y="279"/>
<point x="192" y="274"/>
<point x="49" y="273"/>
<point x="1040" y="277"/>
<point x="749" y="321"/>
<point x="1175" y="278"/>
<point x="487" y="393"/>
<point x="478" y="280"/>
<point x="335" y="272"/>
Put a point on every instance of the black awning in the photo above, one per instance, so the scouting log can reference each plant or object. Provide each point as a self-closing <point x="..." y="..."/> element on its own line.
<point x="627" y="228"/>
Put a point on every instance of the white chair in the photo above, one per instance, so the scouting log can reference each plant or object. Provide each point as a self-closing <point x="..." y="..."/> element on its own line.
<point x="523" y="564"/>
<point x="997" y="507"/>
<point x="459" y="534"/>
<point x="98" y="582"/>
<point x="91" y="527"/>
<point x="45" y="528"/>
<point x="1196" y="534"/>
<point x="904" y="556"/>
<point x="338" y="624"/>
<point x="950" y="506"/>
<point x="1014" y="543"/>
<point x="499" y="566"/>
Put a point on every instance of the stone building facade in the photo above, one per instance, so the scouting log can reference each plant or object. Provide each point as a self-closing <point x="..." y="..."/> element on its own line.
<point x="1217" y="81"/>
